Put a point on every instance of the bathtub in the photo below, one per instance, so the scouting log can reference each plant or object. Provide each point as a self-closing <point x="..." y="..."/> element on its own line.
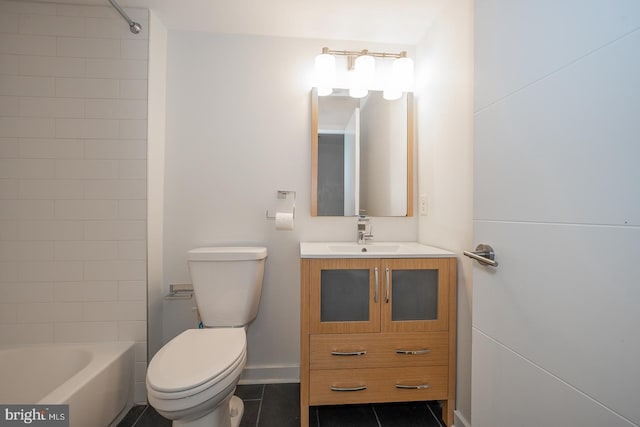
<point x="94" y="379"/>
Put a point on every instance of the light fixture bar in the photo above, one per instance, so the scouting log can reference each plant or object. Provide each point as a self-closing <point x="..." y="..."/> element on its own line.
<point x="402" y="54"/>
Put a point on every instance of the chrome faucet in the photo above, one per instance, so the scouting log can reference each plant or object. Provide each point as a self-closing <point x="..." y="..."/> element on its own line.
<point x="364" y="229"/>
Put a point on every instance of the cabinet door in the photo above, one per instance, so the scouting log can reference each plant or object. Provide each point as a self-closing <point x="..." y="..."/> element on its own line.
<point x="344" y="296"/>
<point x="415" y="294"/>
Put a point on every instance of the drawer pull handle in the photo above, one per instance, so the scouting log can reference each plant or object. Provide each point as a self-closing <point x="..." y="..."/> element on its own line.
<point x="413" y="352"/>
<point x="356" y="388"/>
<point x="412" y="387"/>
<point x="349" y="353"/>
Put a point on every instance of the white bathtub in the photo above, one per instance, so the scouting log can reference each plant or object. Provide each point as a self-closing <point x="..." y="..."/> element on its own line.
<point x="94" y="379"/>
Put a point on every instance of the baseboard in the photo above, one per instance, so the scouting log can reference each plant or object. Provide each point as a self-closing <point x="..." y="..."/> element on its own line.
<point x="270" y="374"/>
<point x="459" y="420"/>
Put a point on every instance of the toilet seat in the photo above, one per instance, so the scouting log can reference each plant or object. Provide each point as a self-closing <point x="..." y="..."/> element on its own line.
<point x="194" y="361"/>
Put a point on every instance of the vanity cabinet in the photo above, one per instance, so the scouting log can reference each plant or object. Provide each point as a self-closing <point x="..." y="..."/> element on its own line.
<point x="377" y="330"/>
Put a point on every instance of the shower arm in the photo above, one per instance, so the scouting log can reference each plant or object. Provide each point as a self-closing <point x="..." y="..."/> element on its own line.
<point x="133" y="26"/>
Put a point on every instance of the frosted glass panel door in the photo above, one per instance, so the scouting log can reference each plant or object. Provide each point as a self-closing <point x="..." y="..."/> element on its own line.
<point x="415" y="295"/>
<point x="343" y="296"/>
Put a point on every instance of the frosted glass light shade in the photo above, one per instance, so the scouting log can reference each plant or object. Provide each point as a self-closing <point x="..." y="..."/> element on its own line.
<point x="402" y="74"/>
<point x="391" y="94"/>
<point x="358" y="92"/>
<point x="325" y="68"/>
<point x="363" y="75"/>
<point x="401" y="79"/>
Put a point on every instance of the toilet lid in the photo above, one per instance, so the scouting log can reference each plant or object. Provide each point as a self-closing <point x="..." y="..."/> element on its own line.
<point x="194" y="357"/>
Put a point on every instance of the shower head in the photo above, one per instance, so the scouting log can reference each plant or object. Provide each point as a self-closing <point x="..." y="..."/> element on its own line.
<point x="133" y="26"/>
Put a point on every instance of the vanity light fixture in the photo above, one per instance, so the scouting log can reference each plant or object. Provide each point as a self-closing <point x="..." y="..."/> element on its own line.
<point x="363" y="65"/>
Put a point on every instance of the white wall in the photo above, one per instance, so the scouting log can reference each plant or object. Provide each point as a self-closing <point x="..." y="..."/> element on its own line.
<point x="238" y="130"/>
<point x="444" y="91"/>
<point x="73" y="110"/>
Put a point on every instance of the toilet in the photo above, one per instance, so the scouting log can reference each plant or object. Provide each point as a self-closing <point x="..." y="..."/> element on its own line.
<point x="191" y="380"/>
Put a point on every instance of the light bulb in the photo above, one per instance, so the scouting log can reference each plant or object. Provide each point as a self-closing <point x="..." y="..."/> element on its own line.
<point x="325" y="67"/>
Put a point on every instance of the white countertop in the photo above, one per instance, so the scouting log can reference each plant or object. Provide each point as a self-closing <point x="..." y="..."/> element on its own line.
<point x="371" y="250"/>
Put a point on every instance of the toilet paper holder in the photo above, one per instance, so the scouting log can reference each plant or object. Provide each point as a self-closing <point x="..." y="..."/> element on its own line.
<point x="284" y="195"/>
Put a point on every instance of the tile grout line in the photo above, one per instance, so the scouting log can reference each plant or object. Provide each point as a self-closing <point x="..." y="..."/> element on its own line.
<point x="140" y="416"/>
<point x="376" y="415"/>
<point x="434" y="415"/>
<point x="260" y="406"/>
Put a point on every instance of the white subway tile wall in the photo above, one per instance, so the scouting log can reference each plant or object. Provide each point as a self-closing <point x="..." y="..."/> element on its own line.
<point x="73" y="129"/>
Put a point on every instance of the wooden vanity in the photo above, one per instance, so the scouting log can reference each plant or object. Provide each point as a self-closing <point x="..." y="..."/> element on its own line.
<point x="377" y="325"/>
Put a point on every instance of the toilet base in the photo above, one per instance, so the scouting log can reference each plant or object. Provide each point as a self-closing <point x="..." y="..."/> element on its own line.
<point x="229" y="415"/>
<point x="236" y="410"/>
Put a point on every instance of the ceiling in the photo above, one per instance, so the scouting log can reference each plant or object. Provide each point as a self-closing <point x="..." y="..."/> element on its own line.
<point x="382" y="21"/>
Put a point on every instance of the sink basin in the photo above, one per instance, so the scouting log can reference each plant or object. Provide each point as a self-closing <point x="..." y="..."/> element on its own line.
<point x="368" y="248"/>
<point x="371" y="250"/>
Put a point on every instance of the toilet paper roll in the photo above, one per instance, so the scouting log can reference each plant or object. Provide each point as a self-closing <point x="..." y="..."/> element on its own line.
<point x="284" y="221"/>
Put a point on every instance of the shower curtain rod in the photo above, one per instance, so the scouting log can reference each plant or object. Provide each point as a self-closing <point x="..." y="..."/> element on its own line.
<point x="133" y="26"/>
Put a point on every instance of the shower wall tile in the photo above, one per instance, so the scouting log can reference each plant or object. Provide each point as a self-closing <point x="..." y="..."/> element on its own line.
<point x="116" y="68"/>
<point x="9" y="148"/>
<point x="132" y="209"/>
<point x="30" y="8"/>
<point x="9" y="105"/>
<point x="27" y="127"/>
<point x="26" y="85"/>
<point x="26" y="209"/>
<point x="86" y="128"/>
<point x="88" y="48"/>
<point x="50" y="107"/>
<point x="87" y="88"/>
<point x="115" y="149"/>
<point x="51" y="66"/>
<point x="50" y="148"/>
<point x="133" y="89"/>
<point x="132" y="290"/>
<point x="116" y="109"/>
<point x="52" y="25"/>
<point x="8" y="64"/>
<point x="51" y="189"/>
<point x="86" y="169"/>
<point x="73" y="126"/>
<point x="8" y="23"/>
<point x="86" y="209"/>
<point x="85" y="331"/>
<point x="25" y="44"/>
<point x="134" y="49"/>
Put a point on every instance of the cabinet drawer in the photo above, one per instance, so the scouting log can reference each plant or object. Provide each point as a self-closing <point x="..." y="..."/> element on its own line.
<point x="341" y="386"/>
<point x="341" y="351"/>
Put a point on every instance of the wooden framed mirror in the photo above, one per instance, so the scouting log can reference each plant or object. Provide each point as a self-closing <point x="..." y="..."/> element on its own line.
<point x="361" y="155"/>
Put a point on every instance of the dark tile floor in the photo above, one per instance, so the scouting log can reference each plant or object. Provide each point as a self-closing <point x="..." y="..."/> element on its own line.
<point x="278" y="405"/>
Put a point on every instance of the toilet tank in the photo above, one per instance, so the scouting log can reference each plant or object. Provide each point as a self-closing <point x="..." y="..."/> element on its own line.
<point x="227" y="282"/>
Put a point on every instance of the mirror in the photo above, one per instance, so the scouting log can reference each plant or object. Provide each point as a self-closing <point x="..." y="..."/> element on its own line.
<point x="361" y="155"/>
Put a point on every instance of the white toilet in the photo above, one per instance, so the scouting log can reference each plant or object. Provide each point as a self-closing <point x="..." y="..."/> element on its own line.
<point x="191" y="380"/>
